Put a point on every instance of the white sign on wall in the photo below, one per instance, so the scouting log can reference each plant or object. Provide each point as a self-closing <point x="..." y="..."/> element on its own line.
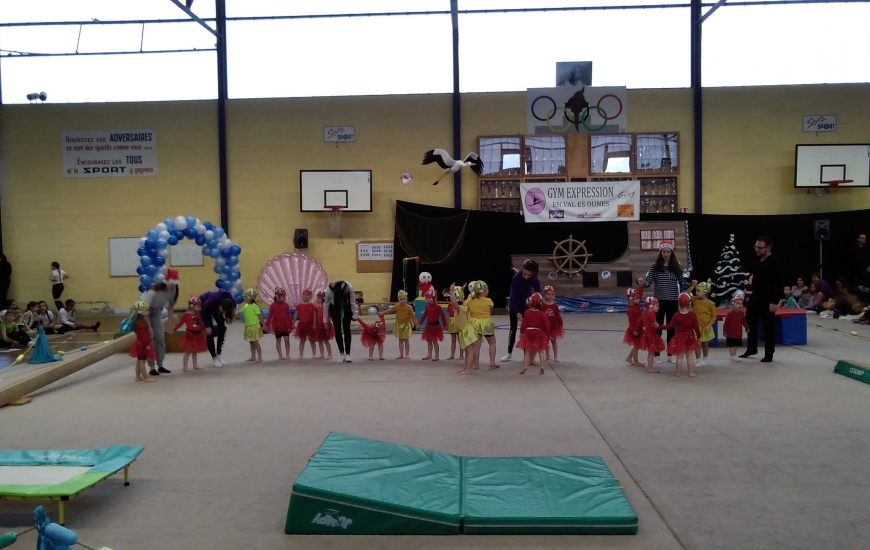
<point x="604" y="201"/>
<point x="109" y="153"/>
<point x="374" y="251"/>
<point x="576" y="110"/>
<point x="820" y="123"/>
<point x="338" y="134"/>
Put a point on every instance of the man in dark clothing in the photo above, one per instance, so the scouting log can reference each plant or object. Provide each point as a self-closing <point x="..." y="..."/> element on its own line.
<point x="762" y="303"/>
<point x="859" y="264"/>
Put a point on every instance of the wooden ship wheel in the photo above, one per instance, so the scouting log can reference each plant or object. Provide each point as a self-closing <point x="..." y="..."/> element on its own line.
<point x="570" y="256"/>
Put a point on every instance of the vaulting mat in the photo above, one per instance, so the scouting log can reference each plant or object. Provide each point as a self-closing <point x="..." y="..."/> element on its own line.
<point x="358" y="486"/>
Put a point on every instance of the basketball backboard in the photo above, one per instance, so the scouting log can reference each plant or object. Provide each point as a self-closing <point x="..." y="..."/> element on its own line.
<point x="819" y="165"/>
<point x="349" y="189"/>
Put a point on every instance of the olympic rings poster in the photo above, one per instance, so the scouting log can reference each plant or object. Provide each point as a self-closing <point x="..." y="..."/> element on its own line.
<point x="576" y="110"/>
<point x="600" y="201"/>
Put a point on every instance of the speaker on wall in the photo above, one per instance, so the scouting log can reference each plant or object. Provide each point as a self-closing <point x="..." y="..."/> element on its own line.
<point x="822" y="230"/>
<point x="300" y="238"/>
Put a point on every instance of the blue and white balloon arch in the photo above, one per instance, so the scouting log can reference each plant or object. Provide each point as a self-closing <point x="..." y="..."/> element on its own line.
<point x="154" y="248"/>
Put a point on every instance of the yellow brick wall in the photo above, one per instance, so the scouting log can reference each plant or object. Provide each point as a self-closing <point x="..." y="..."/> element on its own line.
<point x="749" y="141"/>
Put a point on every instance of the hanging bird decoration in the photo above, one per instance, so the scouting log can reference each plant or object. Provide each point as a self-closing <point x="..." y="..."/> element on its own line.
<point x="440" y="157"/>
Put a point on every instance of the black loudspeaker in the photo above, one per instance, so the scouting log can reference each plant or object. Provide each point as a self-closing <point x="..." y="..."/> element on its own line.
<point x="590" y="279"/>
<point x="822" y="230"/>
<point x="300" y="238"/>
<point x="624" y="279"/>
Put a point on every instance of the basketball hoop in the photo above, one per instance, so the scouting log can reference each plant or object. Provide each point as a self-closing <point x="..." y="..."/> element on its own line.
<point x="333" y="214"/>
<point x="833" y="184"/>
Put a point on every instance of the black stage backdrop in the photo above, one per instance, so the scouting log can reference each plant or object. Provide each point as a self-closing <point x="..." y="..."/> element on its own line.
<point x="470" y="244"/>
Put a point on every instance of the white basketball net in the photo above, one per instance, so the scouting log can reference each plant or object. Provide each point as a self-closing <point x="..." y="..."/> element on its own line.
<point x="334" y="217"/>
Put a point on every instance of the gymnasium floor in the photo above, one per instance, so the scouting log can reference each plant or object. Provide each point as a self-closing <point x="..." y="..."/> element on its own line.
<point x="746" y="456"/>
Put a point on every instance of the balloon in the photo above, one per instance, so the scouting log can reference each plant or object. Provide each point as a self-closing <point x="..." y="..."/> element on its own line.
<point x="142" y="251"/>
<point x="226" y="253"/>
<point x="142" y="288"/>
<point x="211" y="243"/>
<point x="235" y="275"/>
<point x="172" y="240"/>
<point x="145" y="280"/>
<point x="209" y="235"/>
<point x="232" y="260"/>
<point x="161" y="244"/>
<point x="170" y="224"/>
<point x="151" y="244"/>
<point x="239" y="299"/>
<point x="180" y="223"/>
<point x="208" y="225"/>
<point x="218" y="232"/>
<point x="145" y="260"/>
<point x="218" y="283"/>
<point x="190" y="233"/>
<point x="159" y="278"/>
<point x="150" y="270"/>
<point x="236" y="249"/>
<point x="164" y="253"/>
<point x="224" y="277"/>
<point x="140" y="269"/>
<point x="164" y="235"/>
<point x="206" y="251"/>
<point x="218" y="269"/>
<point x="200" y="240"/>
<point x="200" y="229"/>
<point x="238" y="284"/>
<point x="191" y="222"/>
<point x="161" y="227"/>
<point x="214" y="253"/>
<point x="142" y="241"/>
<point x="152" y="234"/>
<point x="179" y="234"/>
<point x="234" y="291"/>
<point x="220" y="261"/>
<point x="159" y="260"/>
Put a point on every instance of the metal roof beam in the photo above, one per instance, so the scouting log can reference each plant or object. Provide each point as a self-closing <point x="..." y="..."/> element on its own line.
<point x="186" y="9"/>
<point x="715" y="7"/>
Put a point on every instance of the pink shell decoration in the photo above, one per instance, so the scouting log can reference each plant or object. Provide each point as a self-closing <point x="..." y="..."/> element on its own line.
<point x="294" y="272"/>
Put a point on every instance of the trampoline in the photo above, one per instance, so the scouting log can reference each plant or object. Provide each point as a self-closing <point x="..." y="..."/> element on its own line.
<point x="61" y="475"/>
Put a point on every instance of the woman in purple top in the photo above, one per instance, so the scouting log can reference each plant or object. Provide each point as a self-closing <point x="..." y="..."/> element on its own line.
<point x="218" y="309"/>
<point x="524" y="284"/>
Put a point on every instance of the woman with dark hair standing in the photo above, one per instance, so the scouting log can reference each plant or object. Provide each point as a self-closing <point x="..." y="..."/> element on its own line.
<point x="5" y="277"/>
<point x="160" y="296"/>
<point x="666" y="278"/>
<point x="218" y="308"/>
<point x="58" y="276"/>
<point x="339" y="304"/>
<point x="524" y="284"/>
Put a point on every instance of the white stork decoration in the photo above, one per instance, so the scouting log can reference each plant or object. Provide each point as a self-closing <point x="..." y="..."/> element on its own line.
<point x="443" y="160"/>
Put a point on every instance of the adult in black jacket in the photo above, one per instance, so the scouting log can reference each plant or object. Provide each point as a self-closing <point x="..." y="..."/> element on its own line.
<point x="762" y="303"/>
<point x="5" y="277"/>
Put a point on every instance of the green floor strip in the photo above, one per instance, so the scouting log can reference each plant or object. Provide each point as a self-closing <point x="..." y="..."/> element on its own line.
<point x="855" y="371"/>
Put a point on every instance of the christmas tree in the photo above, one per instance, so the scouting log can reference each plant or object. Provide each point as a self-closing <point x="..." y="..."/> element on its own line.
<point x="729" y="275"/>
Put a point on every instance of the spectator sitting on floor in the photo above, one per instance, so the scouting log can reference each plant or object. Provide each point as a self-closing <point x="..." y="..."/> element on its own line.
<point x="10" y="336"/>
<point x="822" y="286"/>
<point x="7" y="305"/>
<point x="844" y="303"/>
<point x="799" y="288"/>
<point x="30" y="319"/>
<point x="806" y="299"/>
<point x="787" y="298"/>
<point x="46" y="318"/>
<point x="66" y="317"/>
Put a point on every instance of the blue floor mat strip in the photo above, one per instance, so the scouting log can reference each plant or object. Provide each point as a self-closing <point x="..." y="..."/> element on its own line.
<point x="592" y="304"/>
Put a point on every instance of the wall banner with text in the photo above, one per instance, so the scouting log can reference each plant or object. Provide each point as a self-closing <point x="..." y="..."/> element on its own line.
<point x="599" y="201"/>
<point x="109" y="153"/>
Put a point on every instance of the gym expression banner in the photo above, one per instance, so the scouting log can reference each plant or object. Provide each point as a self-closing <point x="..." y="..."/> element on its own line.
<point x="599" y="201"/>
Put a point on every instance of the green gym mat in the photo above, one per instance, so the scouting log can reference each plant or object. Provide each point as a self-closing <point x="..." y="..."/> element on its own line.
<point x="358" y="486"/>
<point x="557" y="495"/>
<point x="853" y="370"/>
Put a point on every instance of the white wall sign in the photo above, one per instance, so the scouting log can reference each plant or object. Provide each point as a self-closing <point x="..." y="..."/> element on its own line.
<point x="109" y="153"/>
<point x="336" y="134"/>
<point x="576" y="110"/>
<point x="374" y="251"/>
<point x="604" y="201"/>
<point x="820" y="123"/>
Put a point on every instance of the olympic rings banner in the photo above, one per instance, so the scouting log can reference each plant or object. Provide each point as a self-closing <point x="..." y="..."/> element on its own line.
<point x="576" y="110"/>
<point x="600" y="201"/>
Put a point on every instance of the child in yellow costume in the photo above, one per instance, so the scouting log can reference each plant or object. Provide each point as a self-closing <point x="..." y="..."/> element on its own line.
<point x="466" y="334"/>
<point x="705" y="311"/>
<point x="404" y="324"/>
<point x="480" y="317"/>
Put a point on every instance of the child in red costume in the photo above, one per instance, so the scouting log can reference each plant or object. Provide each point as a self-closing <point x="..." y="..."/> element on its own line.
<point x="280" y="323"/>
<point x="650" y="340"/>
<point x="193" y="341"/>
<point x="323" y="332"/>
<point x="685" y="341"/>
<point x="435" y="321"/>
<point x="554" y="316"/>
<point x="142" y="349"/>
<point x="305" y="322"/>
<point x="374" y="335"/>
<point x="734" y="324"/>
<point x="632" y="336"/>
<point x="534" y="332"/>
